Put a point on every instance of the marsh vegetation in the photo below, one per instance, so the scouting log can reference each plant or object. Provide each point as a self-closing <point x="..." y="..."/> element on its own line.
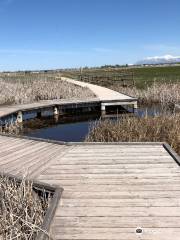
<point x="32" y="88"/>
<point x="163" y="128"/>
<point x="166" y="94"/>
<point x="22" y="210"/>
<point x="153" y="85"/>
<point x="143" y="76"/>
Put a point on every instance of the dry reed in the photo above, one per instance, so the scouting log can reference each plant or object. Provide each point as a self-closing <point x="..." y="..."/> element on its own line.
<point x="14" y="90"/>
<point x="21" y="210"/>
<point x="165" y="94"/>
<point x="165" y="128"/>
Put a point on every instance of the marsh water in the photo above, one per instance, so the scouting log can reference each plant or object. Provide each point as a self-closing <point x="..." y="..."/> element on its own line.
<point x="75" y="127"/>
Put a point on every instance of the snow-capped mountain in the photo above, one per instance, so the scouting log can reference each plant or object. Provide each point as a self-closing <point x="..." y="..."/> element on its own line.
<point x="160" y="60"/>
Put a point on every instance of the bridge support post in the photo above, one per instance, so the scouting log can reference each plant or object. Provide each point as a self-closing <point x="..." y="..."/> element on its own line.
<point x="56" y="111"/>
<point x="103" y="109"/>
<point x="56" y="118"/>
<point x="56" y="114"/>
<point x="177" y="107"/>
<point x="135" y="107"/>
<point x="19" y="117"/>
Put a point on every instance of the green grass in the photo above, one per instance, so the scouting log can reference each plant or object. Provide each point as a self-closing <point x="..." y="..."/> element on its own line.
<point x="148" y="75"/>
<point x="144" y="76"/>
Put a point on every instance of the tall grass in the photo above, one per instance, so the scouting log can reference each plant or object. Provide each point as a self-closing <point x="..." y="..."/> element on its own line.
<point x="165" y="94"/>
<point x="152" y="84"/>
<point x="165" y="128"/>
<point x="21" y="210"/>
<point x="24" y="89"/>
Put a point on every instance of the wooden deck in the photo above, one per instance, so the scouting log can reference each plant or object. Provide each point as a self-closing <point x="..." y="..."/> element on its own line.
<point x="6" y="110"/>
<point x="104" y="97"/>
<point x="103" y="94"/>
<point x="110" y="190"/>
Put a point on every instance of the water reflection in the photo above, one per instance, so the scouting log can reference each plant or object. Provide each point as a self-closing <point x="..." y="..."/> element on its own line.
<point x="74" y="128"/>
<point x="68" y="128"/>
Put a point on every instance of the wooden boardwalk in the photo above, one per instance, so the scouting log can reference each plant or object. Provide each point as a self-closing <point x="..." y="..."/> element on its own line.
<point x="7" y="110"/>
<point x="103" y="94"/>
<point x="110" y="190"/>
<point x="104" y="97"/>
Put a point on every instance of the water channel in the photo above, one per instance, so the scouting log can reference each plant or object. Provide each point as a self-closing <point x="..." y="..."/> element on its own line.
<point x="75" y="127"/>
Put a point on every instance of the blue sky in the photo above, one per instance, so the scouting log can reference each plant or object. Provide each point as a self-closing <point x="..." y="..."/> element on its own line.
<point x="45" y="34"/>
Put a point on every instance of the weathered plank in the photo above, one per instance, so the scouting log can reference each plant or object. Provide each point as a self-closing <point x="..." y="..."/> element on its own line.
<point x="116" y="233"/>
<point x="173" y="201"/>
<point x="109" y="189"/>
<point x="118" y="211"/>
<point x="110" y="171"/>
<point x="117" y="222"/>
<point x="115" y="176"/>
<point x="122" y="187"/>
<point x="144" y="181"/>
<point x="121" y="194"/>
<point x="112" y="166"/>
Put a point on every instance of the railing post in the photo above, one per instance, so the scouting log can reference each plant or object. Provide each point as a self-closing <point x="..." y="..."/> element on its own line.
<point x="19" y="117"/>
<point x="135" y="107"/>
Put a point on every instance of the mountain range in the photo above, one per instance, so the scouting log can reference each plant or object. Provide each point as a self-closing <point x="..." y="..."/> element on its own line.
<point x="160" y="60"/>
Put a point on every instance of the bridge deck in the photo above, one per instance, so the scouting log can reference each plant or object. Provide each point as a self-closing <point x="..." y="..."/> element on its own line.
<point x="110" y="190"/>
<point x="6" y="110"/>
<point x="103" y="95"/>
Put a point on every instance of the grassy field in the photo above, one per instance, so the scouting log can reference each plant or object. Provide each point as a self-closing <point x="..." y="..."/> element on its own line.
<point x="149" y="75"/>
<point x="152" y="84"/>
<point x="143" y="76"/>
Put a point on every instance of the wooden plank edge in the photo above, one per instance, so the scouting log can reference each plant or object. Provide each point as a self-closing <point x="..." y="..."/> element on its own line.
<point x="82" y="143"/>
<point x="172" y="153"/>
<point x="33" y="138"/>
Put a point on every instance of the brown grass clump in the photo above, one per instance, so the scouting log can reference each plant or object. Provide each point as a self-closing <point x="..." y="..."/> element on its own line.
<point x="21" y="210"/>
<point x="148" y="129"/>
<point x="165" y="94"/>
<point x="28" y="89"/>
